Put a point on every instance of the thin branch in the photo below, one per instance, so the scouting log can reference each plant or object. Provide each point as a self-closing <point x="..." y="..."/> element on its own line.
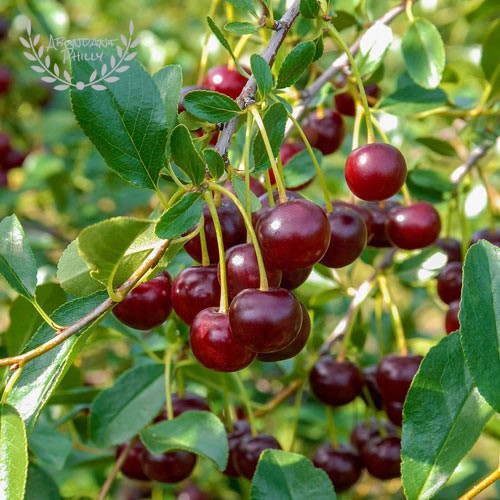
<point x="279" y="398"/>
<point x="482" y="485"/>
<point x="475" y="155"/>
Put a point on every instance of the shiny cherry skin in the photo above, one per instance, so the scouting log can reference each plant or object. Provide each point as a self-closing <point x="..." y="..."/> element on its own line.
<point x="451" y="247"/>
<point x="364" y="431"/>
<point x="192" y="492"/>
<point x="293" y="279"/>
<point x="335" y="383"/>
<point x="214" y="345"/>
<point x="297" y="344"/>
<point x="395" y="374"/>
<point x="4" y="146"/>
<point x="293" y="235"/>
<point x="348" y="238"/>
<point x="342" y="465"/>
<point x="493" y="236"/>
<point x="369" y="374"/>
<point x="382" y="457"/>
<point x="195" y="289"/>
<point x="243" y="271"/>
<point x="344" y="101"/>
<point x="449" y="282"/>
<point x="132" y="467"/>
<point x="148" y="304"/>
<point x="265" y="321"/>
<point x="394" y="412"/>
<point x="362" y="210"/>
<point x="264" y="201"/>
<point x="379" y="213"/>
<point x="5" y="79"/>
<point x="414" y="226"/>
<point x="225" y="80"/>
<point x="325" y="131"/>
<point x="241" y="429"/>
<point x="249" y="452"/>
<point x="170" y="467"/>
<point x="375" y="172"/>
<point x="451" y="321"/>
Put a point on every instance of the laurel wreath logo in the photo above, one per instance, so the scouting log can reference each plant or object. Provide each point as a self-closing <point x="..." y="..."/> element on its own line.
<point x="63" y="78"/>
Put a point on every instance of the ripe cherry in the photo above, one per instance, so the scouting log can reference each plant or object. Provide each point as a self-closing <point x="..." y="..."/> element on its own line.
<point x="5" y="79"/>
<point x="335" y="383"/>
<point x="491" y="235"/>
<point x="180" y="404"/>
<point x="394" y="412"/>
<point x="148" y="304"/>
<point x="449" y="282"/>
<point x="343" y="465"/>
<point x="293" y="279"/>
<point x="13" y="158"/>
<point x="379" y="213"/>
<point x="369" y="374"/>
<point x="414" y="226"/>
<point x="344" y="101"/>
<point x="4" y="145"/>
<point x="249" y="452"/>
<point x="451" y="321"/>
<point x="195" y="289"/>
<point x="132" y="467"/>
<point x="382" y="457"/>
<point x="451" y="247"/>
<point x="264" y="201"/>
<point x="192" y="492"/>
<point x="325" y="131"/>
<point x="375" y="172"/>
<point x="241" y="429"/>
<point x="225" y="80"/>
<point x="170" y="467"/>
<point x="364" y="431"/>
<point x="293" y="235"/>
<point x="265" y="321"/>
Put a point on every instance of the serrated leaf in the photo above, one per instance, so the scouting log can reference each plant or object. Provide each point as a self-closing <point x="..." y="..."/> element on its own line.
<point x="241" y="192"/>
<point x="300" y="168"/>
<point x="213" y="107"/>
<point x="309" y="8"/>
<point x="411" y="99"/>
<point x="186" y="156"/>
<point x="439" y="146"/>
<point x="180" y="217"/>
<point x="220" y="36"/>
<point x="282" y="475"/>
<point x="239" y="28"/>
<point x="443" y="416"/>
<point x="199" y="432"/>
<point x="123" y="410"/>
<point x="13" y="454"/>
<point x="295" y="63"/>
<point x="480" y="318"/>
<point x="169" y="83"/>
<point x="244" y="5"/>
<point x="126" y="122"/>
<point x="373" y="47"/>
<point x="215" y="163"/>
<point x="17" y="262"/>
<point x="262" y="74"/>
<point x="424" y="54"/>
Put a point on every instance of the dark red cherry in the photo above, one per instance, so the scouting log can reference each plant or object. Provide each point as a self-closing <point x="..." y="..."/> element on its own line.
<point x="382" y="457"/>
<point x="395" y="374"/>
<point x="243" y="270"/>
<point x="147" y="305"/>
<point x="264" y="201"/>
<point x="491" y="235"/>
<point x="335" y="383"/>
<point x="394" y="412"/>
<point x="343" y="465"/>
<point x="265" y="321"/>
<point x="214" y="345"/>
<point x="369" y="373"/>
<point x="195" y="289"/>
<point x="379" y="213"/>
<point x="297" y="344"/>
<point x="324" y="130"/>
<point x="241" y="429"/>
<point x="192" y="492"/>
<point x="375" y="172"/>
<point x="451" y="247"/>
<point x="3" y="177"/>
<point x="362" y="210"/>
<point x="132" y="467"/>
<point x="449" y="282"/>
<point x="293" y="235"/>
<point x="364" y="431"/>
<point x="5" y="79"/>
<point x="188" y="402"/>
<point x="451" y="322"/>
<point x="249" y="452"/>
<point x="14" y="158"/>
<point x="225" y="80"/>
<point x="293" y="279"/>
<point x="414" y="226"/>
<point x="4" y="146"/>
<point x="184" y="91"/>
<point x="170" y="467"/>
<point x="348" y="238"/>
<point x="344" y="101"/>
<point x="233" y="232"/>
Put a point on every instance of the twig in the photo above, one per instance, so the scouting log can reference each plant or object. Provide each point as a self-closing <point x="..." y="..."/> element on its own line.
<point x="476" y="154"/>
<point x="279" y="398"/>
<point x="482" y="485"/>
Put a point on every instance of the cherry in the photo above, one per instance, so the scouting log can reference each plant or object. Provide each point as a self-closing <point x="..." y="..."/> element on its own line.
<point x="249" y="452"/>
<point x="4" y="145"/>
<point x="5" y="79"/>
<point x="265" y="321"/>
<point x="293" y="235"/>
<point x="293" y="279"/>
<point x="451" y="247"/>
<point x="243" y="270"/>
<point x="147" y="305"/>
<point x="3" y="177"/>
<point x="225" y="80"/>
<point x="344" y="101"/>
<point x="449" y="282"/>
<point x="13" y="158"/>
<point x="264" y="201"/>
<point x="348" y="238"/>
<point x="132" y="467"/>
<point x="379" y="213"/>
<point x="214" y="345"/>
<point x="324" y="131"/>
<point x="491" y="235"/>
<point x="342" y="465"/>
<point x="233" y="232"/>
<point x="369" y="373"/>
<point x="362" y="210"/>
<point x="394" y="412"/>
<point x="297" y="344"/>
<point x="414" y="226"/>
<point x="375" y="172"/>
<point x="192" y="492"/>
<point x="184" y="91"/>
<point x="451" y="322"/>
<point x="382" y="457"/>
<point x="241" y="429"/>
<point x="170" y="467"/>
<point x="335" y="383"/>
<point x="364" y="431"/>
<point x="189" y="401"/>
<point x="195" y="289"/>
<point x="394" y="375"/>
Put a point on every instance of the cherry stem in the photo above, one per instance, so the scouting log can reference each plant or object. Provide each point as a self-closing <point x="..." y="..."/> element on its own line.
<point x="356" y="132"/>
<point x="204" y="54"/>
<point x="482" y="485"/>
<point x="408" y="9"/>
<point x="246" y="403"/>
<point x="205" y="259"/>
<point x="45" y="316"/>
<point x="227" y="405"/>
<point x="380" y="130"/>
<point x="168" y="382"/>
<point x="295" y="422"/>
<point x="10" y="383"/>
<point x="246" y="163"/>
<point x="269" y="188"/>
<point x="279" y="398"/>
<point x="331" y="428"/>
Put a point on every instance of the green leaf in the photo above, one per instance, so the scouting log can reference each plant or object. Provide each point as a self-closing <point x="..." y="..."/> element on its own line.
<point x="40" y="486"/>
<point x="300" y="168"/>
<point x="13" y="454"/>
<point x="241" y="193"/>
<point x="424" y="54"/>
<point x="241" y="28"/>
<point x="480" y="318"/>
<point x="443" y="148"/>
<point x="17" y="262"/>
<point x="215" y="163"/>
<point x="41" y="375"/>
<point x="274" y="123"/>
<point x="421" y="267"/>
<point x="169" y="83"/>
<point x="443" y="416"/>
<point x="429" y="185"/>
<point x="126" y="122"/>
<point x="49" y="445"/>
<point x="262" y="74"/>
<point x="244" y="5"/>
<point x="180" y="217"/>
<point x="411" y="99"/>
<point x="185" y="154"/>
<point x="199" y="432"/>
<point x="104" y="244"/>
<point x="222" y="39"/>
<point x="213" y="107"/>
<point x="320" y="47"/>
<point x="309" y="9"/>
<point x="123" y="410"/>
<point x="489" y="57"/>
<point x="295" y="63"/>
<point x="373" y="47"/>
<point x="282" y="475"/>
